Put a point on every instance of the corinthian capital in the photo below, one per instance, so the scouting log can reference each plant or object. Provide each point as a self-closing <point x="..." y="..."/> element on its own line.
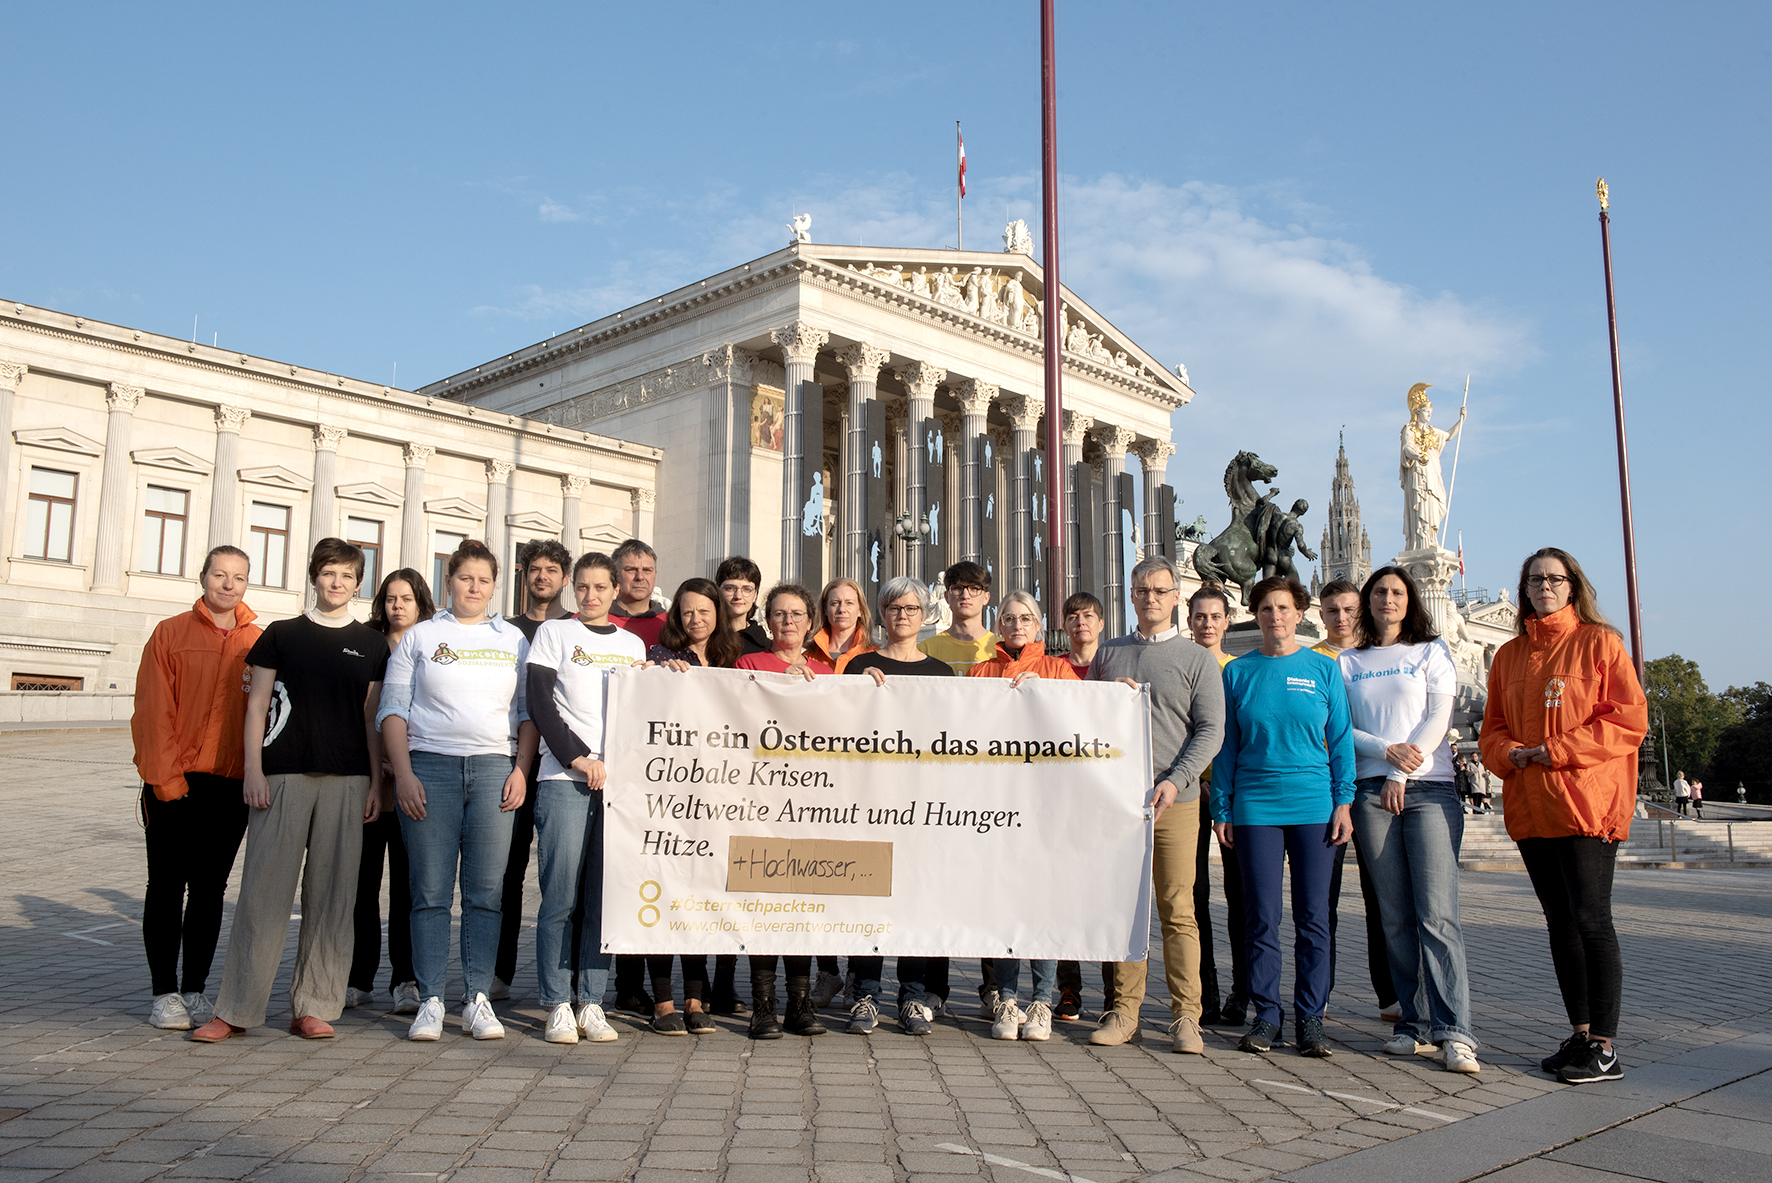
<point x="975" y="395"/>
<point x="1153" y="454"/>
<point x="123" y="398"/>
<point x="1024" y="410"/>
<point x="799" y="342"/>
<point x="920" y="379"/>
<point x="1076" y="428"/>
<point x="642" y="498"/>
<point x="327" y="437"/>
<point x="573" y="485"/>
<point x="417" y="454"/>
<point x="498" y="470"/>
<point x="863" y="361"/>
<point x="12" y="373"/>
<point x="1114" y="440"/>
<point x="231" y="418"/>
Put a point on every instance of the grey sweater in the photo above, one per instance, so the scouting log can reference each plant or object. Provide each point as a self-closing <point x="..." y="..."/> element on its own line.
<point x="1187" y="703"/>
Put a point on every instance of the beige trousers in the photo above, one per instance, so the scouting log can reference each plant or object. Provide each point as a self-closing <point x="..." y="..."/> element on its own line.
<point x="320" y="817"/>
<point x="1175" y="847"/>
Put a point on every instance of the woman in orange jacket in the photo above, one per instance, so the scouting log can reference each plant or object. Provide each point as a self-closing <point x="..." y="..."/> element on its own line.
<point x="189" y="726"/>
<point x="1564" y="719"/>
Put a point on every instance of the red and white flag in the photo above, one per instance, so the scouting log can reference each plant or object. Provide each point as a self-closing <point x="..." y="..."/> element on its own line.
<point x="962" y="142"/>
<point x="1461" y="554"/>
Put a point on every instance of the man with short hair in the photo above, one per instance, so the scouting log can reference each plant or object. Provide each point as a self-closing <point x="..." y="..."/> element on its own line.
<point x="1208" y="616"/>
<point x="636" y="571"/>
<point x="966" y="642"/>
<point x="1339" y="603"/>
<point x="541" y="565"/>
<point x="1187" y="726"/>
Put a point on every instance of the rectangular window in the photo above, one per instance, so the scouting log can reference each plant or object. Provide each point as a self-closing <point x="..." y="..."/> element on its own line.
<point x="43" y="682"/>
<point x="163" y="531"/>
<point x="49" y="515"/>
<point x="268" y="545"/>
<point x="443" y="545"/>
<point x="366" y="533"/>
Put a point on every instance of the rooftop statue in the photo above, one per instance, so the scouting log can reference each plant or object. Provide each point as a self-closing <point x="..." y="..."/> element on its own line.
<point x="1424" y="493"/>
<point x="802" y="228"/>
<point x="1016" y="239"/>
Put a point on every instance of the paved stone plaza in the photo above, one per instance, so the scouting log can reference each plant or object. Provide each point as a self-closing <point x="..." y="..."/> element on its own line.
<point x="89" y="1091"/>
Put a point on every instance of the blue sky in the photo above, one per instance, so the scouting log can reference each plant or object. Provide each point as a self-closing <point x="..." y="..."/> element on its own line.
<point x="1311" y="206"/>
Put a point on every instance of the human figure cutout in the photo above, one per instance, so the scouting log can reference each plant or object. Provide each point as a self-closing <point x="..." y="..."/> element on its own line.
<point x="874" y="547"/>
<point x="876" y="458"/>
<point x="935" y="524"/>
<point x="812" y="514"/>
<point x="990" y="507"/>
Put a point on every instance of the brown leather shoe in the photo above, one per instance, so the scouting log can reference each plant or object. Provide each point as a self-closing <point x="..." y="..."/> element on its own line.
<point x="308" y="1027"/>
<point x="1184" y="1036"/>
<point x="215" y="1031"/>
<point x="1116" y="1028"/>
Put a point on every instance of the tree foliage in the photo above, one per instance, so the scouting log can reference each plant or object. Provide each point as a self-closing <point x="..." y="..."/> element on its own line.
<point x="1744" y="749"/>
<point x="1692" y="718"/>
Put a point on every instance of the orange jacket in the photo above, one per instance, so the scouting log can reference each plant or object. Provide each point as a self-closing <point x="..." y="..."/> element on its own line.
<point x="190" y="699"/>
<point x="1034" y="659"/>
<point x="1571" y="687"/>
<point x="818" y="648"/>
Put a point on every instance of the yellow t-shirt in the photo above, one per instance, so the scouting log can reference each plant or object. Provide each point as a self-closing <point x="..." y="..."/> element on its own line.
<point x="1206" y="776"/>
<point x="960" y="655"/>
<point x="1325" y="649"/>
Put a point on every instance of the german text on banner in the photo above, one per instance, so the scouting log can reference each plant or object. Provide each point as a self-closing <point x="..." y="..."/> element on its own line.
<point x="761" y="813"/>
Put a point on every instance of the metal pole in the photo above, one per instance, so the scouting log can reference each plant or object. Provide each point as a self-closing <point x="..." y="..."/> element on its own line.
<point x="1630" y="536"/>
<point x="1054" y="348"/>
<point x="959" y="194"/>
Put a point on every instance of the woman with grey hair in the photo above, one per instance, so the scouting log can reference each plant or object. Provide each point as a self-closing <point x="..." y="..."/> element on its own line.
<point x="904" y="605"/>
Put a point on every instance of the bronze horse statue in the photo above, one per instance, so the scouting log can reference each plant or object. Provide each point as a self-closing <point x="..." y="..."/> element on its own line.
<point x="1235" y="555"/>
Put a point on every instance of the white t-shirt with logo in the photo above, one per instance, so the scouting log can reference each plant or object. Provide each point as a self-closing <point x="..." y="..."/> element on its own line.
<point x="1387" y="691"/>
<point x="581" y="659"/>
<point x="459" y="686"/>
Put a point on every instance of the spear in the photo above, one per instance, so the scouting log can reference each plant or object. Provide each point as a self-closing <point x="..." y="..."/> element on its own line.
<point x="1455" y="448"/>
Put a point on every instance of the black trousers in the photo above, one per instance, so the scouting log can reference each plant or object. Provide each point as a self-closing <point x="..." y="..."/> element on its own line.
<point x="516" y="870"/>
<point x="191" y="847"/>
<point x="1378" y="966"/>
<point x="798" y="969"/>
<point x="379" y="836"/>
<point x="695" y="976"/>
<point x="1573" y="880"/>
<point x="1231" y="872"/>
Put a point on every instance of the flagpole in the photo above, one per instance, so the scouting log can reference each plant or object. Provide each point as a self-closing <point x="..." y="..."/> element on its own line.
<point x="960" y="194"/>
<point x="1630" y="535"/>
<point x="1057" y="563"/>
<point x="1456" y="448"/>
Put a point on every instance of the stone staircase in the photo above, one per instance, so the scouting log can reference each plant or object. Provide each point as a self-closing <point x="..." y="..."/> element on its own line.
<point x="1651" y="844"/>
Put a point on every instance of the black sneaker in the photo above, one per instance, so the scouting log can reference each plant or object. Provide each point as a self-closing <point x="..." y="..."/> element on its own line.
<point x="1069" y="1006"/>
<point x="730" y="1005"/>
<point x="671" y="1024"/>
<point x="1571" y="1047"/>
<point x="1260" y="1037"/>
<point x="698" y="1022"/>
<point x="1234" y="1013"/>
<point x="1310" y="1037"/>
<point x="638" y="1004"/>
<point x="1594" y="1062"/>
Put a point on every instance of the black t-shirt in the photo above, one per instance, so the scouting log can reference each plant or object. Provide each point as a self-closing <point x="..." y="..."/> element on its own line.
<point x="929" y="667"/>
<point x="527" y="626"/>
<point x="315" y="726"/>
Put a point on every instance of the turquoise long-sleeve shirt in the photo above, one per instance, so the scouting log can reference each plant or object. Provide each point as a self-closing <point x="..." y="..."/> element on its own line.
<point x="1288" y="754"/>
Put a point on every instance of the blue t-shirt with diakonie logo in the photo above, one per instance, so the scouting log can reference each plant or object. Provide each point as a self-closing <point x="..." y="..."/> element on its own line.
<point x="1288" y="753"/>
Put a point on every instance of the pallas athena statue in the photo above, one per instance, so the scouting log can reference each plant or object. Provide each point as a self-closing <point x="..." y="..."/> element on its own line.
<point x="1424" y="492"/>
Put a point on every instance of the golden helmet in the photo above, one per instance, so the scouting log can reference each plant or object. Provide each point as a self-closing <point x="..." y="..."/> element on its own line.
<point x="1418" y="396"/>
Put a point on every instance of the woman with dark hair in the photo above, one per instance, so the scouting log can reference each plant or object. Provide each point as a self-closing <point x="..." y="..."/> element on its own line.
<point x="402" y="600"/>
<point x="1564" y="719"/>
<point x="739" y="580"/>
<point x="455" y="729"/>
<point x="1282" y="790"/>
<point x="789" y="611"/>
<point x="1400" y="683"/>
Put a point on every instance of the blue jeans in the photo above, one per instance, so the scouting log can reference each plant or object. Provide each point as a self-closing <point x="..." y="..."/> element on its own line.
<point x="1262" y="853"/>
<point x="464" y="824"/>
<point x="1009" y="978"/>
<point x="1414" y="863"/>
<point x="569" y="842"/>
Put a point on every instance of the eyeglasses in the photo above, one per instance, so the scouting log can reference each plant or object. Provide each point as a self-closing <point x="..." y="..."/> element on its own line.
<point x="970" y="591"/>
<point x="1018" y="621"/>
<point x="1151" y="593"/>
<point x="904" y="609"/>
<point x="789" y="617"/>
<point x="1551" y="581"/>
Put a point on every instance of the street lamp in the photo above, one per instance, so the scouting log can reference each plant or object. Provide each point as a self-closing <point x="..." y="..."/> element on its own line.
<point x="909" y="530"/>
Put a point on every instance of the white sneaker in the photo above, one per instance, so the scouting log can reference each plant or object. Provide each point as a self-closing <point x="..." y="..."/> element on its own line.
<point x="501" y="989"/>
<point x="987" y="1005"/>
<point x="169" y="1013"/>
<point x="1405" y="1044"/>
<point x="198" y="1008"/>
<point x="593" y="1026"/>
<point x="825" y="989"/>
<point x="1038" y="1024"/>
<point x="1009" y="1018"/>
<point x="478" y="1020"/>
<point x="429" y="1023"/>
<point x="355" y="997"/>
<point x="406" y="999"/>
<point x="562" y="1025"/>
<point x="1459" y="1057"/>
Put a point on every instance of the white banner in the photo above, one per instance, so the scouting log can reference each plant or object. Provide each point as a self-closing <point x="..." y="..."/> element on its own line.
<point x="761" y="813"/>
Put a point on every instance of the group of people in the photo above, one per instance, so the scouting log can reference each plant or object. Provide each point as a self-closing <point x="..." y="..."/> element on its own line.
<point x="1689" y="796"/>
<point x="448" y="741"/>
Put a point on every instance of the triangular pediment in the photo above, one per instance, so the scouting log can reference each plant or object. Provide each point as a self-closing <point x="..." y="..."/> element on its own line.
<point x="371" y="492"/>
<point x="177" y="459"/>
<point x="605" y="536"/>
<point x="278" y="477"/>
<point x="59" y="439"/>
<point x="530" y="520"/>
<point x="455" y="507"/>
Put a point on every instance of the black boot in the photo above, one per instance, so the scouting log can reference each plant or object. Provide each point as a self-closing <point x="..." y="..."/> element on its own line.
<point x="802" y="1015"/>
<point x="764" y="1024"/>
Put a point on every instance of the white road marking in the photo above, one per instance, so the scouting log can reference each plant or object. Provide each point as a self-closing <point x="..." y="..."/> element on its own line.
<point x="80" y="934"/>
<point x="1043" y="1172"/>
<point x="1382" y="1105"/>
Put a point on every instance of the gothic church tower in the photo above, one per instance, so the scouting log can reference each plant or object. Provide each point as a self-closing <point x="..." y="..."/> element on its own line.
<point x="1347" y="554"/>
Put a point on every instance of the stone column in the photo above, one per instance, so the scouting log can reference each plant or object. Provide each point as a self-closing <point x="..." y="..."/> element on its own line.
<point x="224" y="486"/>
<point x="112" y="551"/>
<point x="975" y="403"/>
<point x="1076" y="428"/>
<point x="572" y="488"/>
<point x="1154" y="456"/>
<point x="643" y="502"/>
<point x="11" y="374"/>
<point x="1114" y="441"/>
<point x="920" y="380"/>
<point x="1024" y="417"/>
<point x="799" y="343"/>
<point x="415" y="545"/>
<point x="953" y="480"/>
<point x="863" y="361"/>
<point x="323" y="506"/>
<point x="498" y="476"/>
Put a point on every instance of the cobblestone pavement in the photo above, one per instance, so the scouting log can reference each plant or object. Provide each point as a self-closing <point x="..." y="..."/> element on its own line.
<point x="89" y="1091"/>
